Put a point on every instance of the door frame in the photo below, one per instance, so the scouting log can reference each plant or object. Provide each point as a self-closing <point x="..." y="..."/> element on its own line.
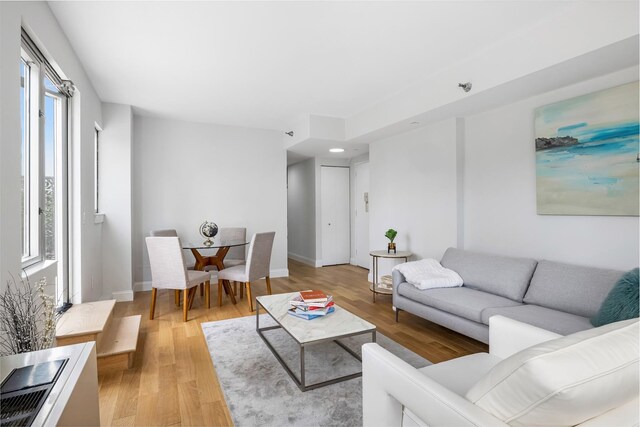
<point x="356" y="166"/>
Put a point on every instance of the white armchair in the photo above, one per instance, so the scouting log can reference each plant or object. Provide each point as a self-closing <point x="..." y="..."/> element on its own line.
<point x="397" y="394"/>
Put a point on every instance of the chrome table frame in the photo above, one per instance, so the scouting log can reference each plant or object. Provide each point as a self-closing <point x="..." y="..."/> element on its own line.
<point x="301" y="382"/>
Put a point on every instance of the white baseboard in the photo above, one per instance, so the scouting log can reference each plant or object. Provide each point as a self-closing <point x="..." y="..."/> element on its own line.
<point x="123" y="295"/>
<point x="142" y="286"/>
<point x="305" y="260"/>
<point x="279" y="272"/>
<point x="352" y="261"/>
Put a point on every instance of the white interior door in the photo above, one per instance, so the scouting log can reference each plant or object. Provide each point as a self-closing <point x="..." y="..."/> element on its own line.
<point x="361" y="222"/>
<point x="334" y="183"/>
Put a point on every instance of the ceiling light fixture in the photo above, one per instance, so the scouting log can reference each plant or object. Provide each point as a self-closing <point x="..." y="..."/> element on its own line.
<point x="414" y="123"/>
<point x="336" y="150"/>
<point x="465" y="86"/>
<point x="290" y="133"/>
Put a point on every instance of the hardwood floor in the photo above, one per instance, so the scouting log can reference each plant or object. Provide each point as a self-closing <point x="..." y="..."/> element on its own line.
<point x="173" y="381"/>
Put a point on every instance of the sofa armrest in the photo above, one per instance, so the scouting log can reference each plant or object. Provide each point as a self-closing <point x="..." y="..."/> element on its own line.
<point x="389" y="385"/>
<point x="398" y="278"/>
<point x="508" y="336"/>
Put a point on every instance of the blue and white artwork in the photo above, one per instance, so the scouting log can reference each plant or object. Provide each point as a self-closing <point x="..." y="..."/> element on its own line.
<point x="587" y="154"/>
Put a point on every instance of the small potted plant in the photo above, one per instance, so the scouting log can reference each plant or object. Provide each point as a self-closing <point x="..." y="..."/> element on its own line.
<point x="391" y="234"/>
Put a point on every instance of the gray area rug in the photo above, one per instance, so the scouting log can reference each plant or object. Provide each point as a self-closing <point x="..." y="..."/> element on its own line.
<point x="258" y="390"/>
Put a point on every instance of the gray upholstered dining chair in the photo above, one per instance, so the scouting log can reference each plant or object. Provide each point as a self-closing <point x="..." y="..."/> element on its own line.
<point x="257" y="266"/>
<point x="236" y="254"/>
<point x="170" y="232"/>
<point x="168" y="271"/>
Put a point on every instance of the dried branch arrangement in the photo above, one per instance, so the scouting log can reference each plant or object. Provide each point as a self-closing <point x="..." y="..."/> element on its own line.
<point x="27" y="317"/>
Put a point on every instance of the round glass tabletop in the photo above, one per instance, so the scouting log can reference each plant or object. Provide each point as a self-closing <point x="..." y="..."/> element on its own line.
<point x="217" y="244"/>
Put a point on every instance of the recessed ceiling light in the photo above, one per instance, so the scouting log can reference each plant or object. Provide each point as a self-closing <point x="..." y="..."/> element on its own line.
<point x="336" y="150"/>
<point x="414" y="123"/>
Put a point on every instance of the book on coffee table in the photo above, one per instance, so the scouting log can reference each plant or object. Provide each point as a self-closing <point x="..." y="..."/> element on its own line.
<point x="309" y="315"/>
<point x="297" y="301"/>
<point x="313" y="296"/>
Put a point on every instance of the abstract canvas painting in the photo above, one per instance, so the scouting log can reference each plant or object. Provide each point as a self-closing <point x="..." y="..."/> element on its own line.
<point x="587" y="154"/>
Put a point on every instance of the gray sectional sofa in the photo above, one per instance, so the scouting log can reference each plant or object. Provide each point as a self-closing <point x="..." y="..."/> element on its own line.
<point x="554" y="296"/>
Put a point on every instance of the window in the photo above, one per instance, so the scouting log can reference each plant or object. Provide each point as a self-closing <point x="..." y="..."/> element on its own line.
<point x="24" y="163"/>
<point x="30" y="162"/>
<point x="44" y="124"/>
<point x="54" y="138"/>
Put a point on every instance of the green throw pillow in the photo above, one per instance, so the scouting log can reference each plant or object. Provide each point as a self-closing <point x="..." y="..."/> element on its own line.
<point x="622" y="301"/>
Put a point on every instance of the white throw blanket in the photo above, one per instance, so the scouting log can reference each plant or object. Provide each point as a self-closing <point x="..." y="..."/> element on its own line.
<point x="429" y="274"/>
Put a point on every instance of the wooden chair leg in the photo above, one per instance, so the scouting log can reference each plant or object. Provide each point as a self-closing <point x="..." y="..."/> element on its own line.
<point x="192" y="295"/>
<point x="248" y="285"/>
<point x="229" y="291"/>
<point x="241" y="291"/>
<point x="268" y="285"/>
<point x="177" y="297"/>
<point x="207" y="293"/>
<point x="154" y="293"/>
<point x="185" y="304"/>
<point x="201" y="289"/>
<point x="219" y="292"/>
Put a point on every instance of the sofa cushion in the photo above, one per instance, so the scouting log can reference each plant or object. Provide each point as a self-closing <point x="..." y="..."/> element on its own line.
<point x="542" y="317"/>
<point x="570" y="288"/>
<point x="463" y="301"/>
<point x="565" y="381"/>
<point x="622" y="302"/>
<point x="499" y="275"/>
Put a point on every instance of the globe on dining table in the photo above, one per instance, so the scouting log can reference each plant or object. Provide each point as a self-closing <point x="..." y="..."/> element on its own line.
<point x="208" y="230"/>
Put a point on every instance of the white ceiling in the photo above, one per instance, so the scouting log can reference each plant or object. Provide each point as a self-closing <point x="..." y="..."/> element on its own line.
<point x="264" y="64"/>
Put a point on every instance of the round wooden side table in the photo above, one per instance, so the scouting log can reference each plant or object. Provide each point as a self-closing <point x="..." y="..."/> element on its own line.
<point x="375" y="255"/>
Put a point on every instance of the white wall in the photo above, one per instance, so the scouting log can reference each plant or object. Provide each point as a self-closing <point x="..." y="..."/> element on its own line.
<point x="301" y="213"/>
<point x="86" y="238"/>
<point x="413" y="180"/>
<point x="9" y="142"/>
<point x="500" y="191"/>
<point x="185" y="173"/>
<point x="470" y="182"/>
<point x="115" y="161"/>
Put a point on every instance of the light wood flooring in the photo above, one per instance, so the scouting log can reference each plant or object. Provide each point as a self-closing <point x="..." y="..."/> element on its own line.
<point x="173" y="381"/>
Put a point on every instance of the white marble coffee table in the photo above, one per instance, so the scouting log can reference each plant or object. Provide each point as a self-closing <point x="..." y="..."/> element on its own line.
<point x="334" y="326"/>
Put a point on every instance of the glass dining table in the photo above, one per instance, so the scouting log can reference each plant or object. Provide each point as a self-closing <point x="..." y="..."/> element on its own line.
<point x="222" y="248"/>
